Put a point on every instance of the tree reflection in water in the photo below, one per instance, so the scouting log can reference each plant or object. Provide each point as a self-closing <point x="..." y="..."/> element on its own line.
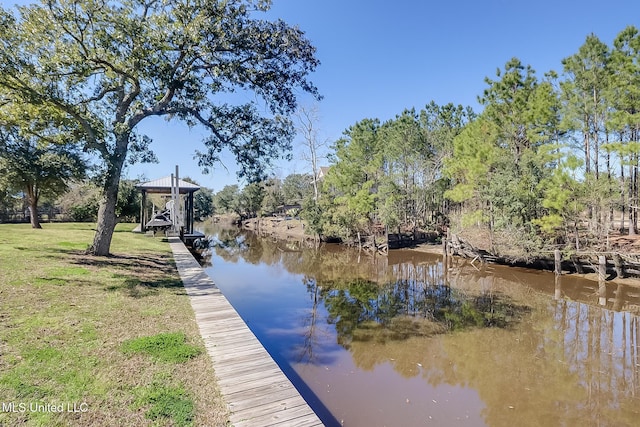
<point x="535" y="350"/>
<point x="362" y="310"/>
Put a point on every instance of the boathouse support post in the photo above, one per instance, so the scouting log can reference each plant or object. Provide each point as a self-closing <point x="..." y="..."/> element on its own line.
<point x="445" y="260"/>
<point x="602" y="268"/>
<point x="448" y="243"/>
<point x="172" y="213"/>
<point x="177" y="206"/>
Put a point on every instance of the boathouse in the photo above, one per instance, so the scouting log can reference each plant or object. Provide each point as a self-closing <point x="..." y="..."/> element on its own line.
<point x="182" y="191"/>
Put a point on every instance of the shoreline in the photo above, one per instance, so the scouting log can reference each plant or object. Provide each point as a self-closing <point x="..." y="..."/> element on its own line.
<point x="278" y="227"/>
<point x="286" y="229"/>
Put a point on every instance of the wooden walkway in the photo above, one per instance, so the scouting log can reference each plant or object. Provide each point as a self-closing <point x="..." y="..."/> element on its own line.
<point x="255" y="389"/>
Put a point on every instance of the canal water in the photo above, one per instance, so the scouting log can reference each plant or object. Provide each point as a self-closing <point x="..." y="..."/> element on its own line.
<point x="403" y="340"/>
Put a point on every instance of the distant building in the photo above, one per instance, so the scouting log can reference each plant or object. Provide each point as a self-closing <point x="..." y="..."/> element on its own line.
<point x="322" y="172"/>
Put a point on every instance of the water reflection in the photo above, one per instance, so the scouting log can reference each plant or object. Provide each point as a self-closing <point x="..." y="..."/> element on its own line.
<point x="403" y="340"/>
<point x="363" y="310"/>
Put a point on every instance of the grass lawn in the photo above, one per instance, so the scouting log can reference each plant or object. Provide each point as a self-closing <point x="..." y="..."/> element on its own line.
<point x="90" y="340"/>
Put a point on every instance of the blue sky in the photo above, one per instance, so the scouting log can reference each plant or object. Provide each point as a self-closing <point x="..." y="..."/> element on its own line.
<point x="380" y="57"/>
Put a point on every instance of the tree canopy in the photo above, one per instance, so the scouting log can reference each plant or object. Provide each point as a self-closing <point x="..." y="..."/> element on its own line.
<point x="107" y="66"/>
<point x="550" y="161"/>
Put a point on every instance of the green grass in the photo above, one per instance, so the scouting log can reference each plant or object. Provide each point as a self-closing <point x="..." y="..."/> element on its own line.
<point x="166" y="403"/>
<point x="65" y="318"/>
<point x="166" y="347"/>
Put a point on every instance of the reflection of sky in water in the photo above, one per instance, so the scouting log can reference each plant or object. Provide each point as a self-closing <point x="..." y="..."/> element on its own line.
<point x="274" y="303"/>
<point x="567" y="360"/>
<point x="279" y="310"/>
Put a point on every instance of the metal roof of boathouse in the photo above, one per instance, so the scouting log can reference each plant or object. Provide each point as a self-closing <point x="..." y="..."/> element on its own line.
<point x="163" y="185"/>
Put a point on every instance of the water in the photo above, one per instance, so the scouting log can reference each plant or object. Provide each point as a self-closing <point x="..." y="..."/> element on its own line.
<point x="403" y="341"/>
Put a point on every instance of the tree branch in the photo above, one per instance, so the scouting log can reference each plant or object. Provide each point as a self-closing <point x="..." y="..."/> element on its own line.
<point x="25" y="89"/>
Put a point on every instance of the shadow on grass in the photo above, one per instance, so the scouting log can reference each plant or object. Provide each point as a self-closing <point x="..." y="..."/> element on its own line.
<point x="137" y="288"/>
<point x="57" y="254"/>
<point x="61" y="281"/>
<point x="139" y="275"/>
<point x="138" y="262"/>
<point x="57" y="281"/>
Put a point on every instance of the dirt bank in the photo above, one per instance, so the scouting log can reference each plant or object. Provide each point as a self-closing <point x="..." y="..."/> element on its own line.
<point x="289" y="228"/>
<point x="278" y="227"/>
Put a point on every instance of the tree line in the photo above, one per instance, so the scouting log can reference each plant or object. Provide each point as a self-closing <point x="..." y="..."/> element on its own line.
<point x="550" y="160"/>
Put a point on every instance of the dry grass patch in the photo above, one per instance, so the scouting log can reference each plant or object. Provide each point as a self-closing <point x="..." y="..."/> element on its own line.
<point x="64" y="317"/>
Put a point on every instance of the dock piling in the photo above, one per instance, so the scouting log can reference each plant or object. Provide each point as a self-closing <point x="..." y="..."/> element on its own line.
<point x="602" y="274"/>
<point x="558" y="261"/>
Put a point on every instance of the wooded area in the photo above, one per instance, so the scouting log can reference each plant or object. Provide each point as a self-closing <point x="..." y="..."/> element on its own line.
<point x="550" y="162"/>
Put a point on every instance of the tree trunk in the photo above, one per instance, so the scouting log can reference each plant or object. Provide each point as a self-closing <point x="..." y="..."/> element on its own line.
<point x="33" y="211"/>
<point x="109" y="197"/>
<point x="622" y="193"/>
<point x="587" y="166"/>
<point x="609" y="175"/>
<point x="632" y="200"/>
<point x="106" y="217"/>
<point x="596" y="142"/>
<point x="587" y="150"/>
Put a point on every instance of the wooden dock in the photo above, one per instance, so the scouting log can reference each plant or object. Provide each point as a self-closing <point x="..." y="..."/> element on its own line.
<point x="256" y="391"/>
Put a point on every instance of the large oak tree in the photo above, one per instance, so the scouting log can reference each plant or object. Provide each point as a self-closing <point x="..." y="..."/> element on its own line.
<point x="108" y="65"/>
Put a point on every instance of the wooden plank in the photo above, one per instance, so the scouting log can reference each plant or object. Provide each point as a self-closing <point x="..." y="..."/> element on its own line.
<point x="248" y="372"/>
<point x="221" y="312"/>
<point x="246" y="360"/>
<point x="223" y="326"/>
<point x="285" y="417"/>
<point x="239" y="347"/>
<point x="245" y="401"/>
<point x="293" y="406"/>
<point x="237" y="343"/>
<point x="259" y="385"/>
<point x="265" y="375"/>
<point x="256" y="390"/>
<point x="261" y="394"/>
<point x="253" y="406"/>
